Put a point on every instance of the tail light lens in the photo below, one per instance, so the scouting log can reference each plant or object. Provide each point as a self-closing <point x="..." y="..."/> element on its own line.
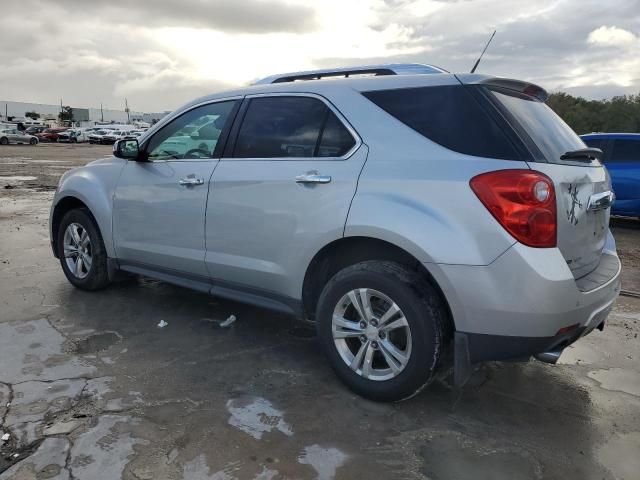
<point x="523" y="202"/>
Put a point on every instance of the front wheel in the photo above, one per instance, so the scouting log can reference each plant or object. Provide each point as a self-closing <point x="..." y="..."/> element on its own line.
<point x="81" y="250"/>
<point x="33" y="141"/>
<point x="382" y="328"/>
<point x="4" y="141"/>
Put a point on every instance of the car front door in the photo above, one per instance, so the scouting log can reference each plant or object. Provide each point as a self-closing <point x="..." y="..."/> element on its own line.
<point x="160" y="201"/>
<point x="281" y="191"/>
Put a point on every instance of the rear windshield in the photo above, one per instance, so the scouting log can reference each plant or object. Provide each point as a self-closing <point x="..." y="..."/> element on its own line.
<point x="449" y="115"/>
<point x="547" y="130"/>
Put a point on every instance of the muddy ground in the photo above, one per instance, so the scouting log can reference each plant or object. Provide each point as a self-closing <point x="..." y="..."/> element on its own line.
<point x="91" y="388"/>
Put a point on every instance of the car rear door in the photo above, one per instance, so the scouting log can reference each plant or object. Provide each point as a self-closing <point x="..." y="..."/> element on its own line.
<point x="281" y="191"/>
<point x="159" y="203"/>
<point x="582" y="186"/>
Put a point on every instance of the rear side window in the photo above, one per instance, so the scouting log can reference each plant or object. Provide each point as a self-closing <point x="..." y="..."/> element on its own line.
<point x="625" y="151"/>
<point x="594" y="142"/>
<point x="449" y="115"/>
<point x="297" y="127"/>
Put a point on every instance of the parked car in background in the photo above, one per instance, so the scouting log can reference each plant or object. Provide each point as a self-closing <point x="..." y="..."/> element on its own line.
<point x="111" y="137"/>
<point x="74" y="135"/>
<point x="51" y="134"/>
<point x="622" y="159"/>
<point x="96" y="137"/>
<point x="408" y="215"/>
<point x="13" y="135"/>
<point x="33" y="130"/>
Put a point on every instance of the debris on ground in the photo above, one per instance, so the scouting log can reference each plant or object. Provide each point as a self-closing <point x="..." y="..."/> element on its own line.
<point x="9" y="187"/>
<point x="228" y="322"/>
<point x="162" y="324"/>
<point x="5" y="437"/>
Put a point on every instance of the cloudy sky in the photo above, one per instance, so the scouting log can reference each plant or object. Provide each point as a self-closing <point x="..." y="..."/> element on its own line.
<point x="162" y="53"/>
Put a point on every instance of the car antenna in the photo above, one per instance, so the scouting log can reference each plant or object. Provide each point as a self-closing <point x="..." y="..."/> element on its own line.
<point x="473" y="70"/>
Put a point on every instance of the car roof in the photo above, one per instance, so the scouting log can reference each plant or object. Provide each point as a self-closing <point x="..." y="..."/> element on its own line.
<point x="621" y="135"/>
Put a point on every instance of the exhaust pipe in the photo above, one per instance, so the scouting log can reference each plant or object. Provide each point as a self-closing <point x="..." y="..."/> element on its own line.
<point x="549" y="357"/>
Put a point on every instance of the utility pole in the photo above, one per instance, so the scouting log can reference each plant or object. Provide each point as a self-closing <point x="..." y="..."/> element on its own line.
<point x="126" y="109"/>
<point x="101" y="113"/>
<point x="61" y="116"/>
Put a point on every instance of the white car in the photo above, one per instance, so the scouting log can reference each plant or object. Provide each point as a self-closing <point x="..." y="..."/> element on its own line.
<point x="96" y="137"/>
<point x="13" y="135"/>
<point x="74" y="135"/>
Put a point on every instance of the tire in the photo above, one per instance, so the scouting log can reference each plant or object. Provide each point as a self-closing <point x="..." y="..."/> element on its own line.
<point x="96" y="276"/>
<point x="33" y="141"/>
<point x="425" y="317"/>
<point x="4" y="141"/>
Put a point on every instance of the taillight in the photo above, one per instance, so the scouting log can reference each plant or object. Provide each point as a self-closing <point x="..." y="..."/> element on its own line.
<point x="523" y="201"/>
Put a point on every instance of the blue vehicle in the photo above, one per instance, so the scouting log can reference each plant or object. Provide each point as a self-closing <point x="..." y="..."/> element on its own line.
<point x="622" y="159"/>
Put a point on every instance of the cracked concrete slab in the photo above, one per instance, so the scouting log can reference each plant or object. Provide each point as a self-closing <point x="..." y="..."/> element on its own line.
<point x="48" y="461"/>
<point x="33" y="400"/>
<point x="104" y="450"/>
<point x="39" y="348"/>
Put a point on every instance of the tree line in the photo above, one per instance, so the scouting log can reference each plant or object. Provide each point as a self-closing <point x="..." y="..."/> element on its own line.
<point x="618" y="114"/>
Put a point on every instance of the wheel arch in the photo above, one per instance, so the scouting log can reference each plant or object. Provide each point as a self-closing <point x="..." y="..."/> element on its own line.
<point x="63" y="206"/>
<point x="346" y="251"/>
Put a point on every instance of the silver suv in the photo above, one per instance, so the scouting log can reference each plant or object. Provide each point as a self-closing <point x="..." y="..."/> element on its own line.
<point x="414" y="215"/>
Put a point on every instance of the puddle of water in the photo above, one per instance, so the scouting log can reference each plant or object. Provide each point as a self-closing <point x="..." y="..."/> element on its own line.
<point x="17" y="178"/>
<point x="325" y="461"/>
<point x="618" y="380"/>
<point x="256" y="416"/>
<point x="620" y="455"/>
<point x="96" y="343"/>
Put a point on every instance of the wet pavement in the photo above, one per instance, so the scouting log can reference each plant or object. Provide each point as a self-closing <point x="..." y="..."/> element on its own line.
<point x="92" y="388"/>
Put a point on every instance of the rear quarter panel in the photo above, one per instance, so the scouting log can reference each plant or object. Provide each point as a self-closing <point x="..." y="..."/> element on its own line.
<point x="415" y="194"/>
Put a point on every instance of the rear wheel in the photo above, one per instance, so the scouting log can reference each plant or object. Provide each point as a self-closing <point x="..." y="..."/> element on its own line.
<point x="33" y="141"/>
<point x="81" y="250"/>
<point x="4" y="141"/>
<point x="382" y="328"/>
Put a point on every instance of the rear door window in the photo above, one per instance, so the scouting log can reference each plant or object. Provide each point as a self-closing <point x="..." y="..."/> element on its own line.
<point x="291" y="127"/>
<point x="625" y="151"/>
<point x="450" y="116"/>
<point x="550" y="134"/>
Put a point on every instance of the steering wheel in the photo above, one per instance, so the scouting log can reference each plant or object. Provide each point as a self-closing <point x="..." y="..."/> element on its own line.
<point x="197" y="153"/>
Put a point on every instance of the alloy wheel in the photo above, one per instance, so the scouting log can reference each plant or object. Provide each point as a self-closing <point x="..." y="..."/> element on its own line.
<point x="77" y="250"/>
<point x="371" y="334"/>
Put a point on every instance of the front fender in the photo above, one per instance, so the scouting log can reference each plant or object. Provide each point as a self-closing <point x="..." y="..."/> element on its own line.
<point x="94" y="185"/>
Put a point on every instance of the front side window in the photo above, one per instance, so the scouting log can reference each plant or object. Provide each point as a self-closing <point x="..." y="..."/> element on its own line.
<point x="291" y="127"/>
<point x="448" y="115"/>
<point x="625" y="151"/>
<point x="192" y="135"/>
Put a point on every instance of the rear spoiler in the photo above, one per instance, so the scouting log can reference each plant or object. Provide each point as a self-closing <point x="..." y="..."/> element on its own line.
<point x="526" y="88"/>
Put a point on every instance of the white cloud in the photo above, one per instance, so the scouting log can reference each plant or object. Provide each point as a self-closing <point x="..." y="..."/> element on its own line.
<point x="611" y="36"/>
<point x="159" y="59"/>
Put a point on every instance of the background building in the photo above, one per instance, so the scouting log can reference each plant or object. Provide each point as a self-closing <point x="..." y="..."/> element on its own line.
<point x="81" y="116"/>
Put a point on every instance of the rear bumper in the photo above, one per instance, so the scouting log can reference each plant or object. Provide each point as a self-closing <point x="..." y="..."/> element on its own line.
<point x="516" y="306"/>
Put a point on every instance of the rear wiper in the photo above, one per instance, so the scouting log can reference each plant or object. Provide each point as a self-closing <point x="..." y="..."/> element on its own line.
<point x="583" y="155"/>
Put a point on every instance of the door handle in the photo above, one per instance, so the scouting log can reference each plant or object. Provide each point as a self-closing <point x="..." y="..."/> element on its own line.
<point x="313" y="177"/>
<point x="600" y="201"/>
<point x="191" y="180"/>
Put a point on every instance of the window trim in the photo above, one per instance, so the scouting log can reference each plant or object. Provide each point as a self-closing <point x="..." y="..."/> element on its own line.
<point x="224" y="134"/>
<point x="235" y="130"/>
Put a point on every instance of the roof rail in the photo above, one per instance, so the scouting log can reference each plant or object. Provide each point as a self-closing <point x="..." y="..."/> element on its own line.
<point x="385" y="69"/>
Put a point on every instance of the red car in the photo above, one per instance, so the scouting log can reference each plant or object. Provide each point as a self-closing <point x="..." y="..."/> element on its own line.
<point x="50" y="134"/>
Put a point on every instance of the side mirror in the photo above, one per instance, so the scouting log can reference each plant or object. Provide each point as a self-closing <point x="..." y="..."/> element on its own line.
<point x="128" y="149"/>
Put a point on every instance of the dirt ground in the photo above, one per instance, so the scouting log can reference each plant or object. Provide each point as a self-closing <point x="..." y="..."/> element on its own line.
<point x="92" y="388"/>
